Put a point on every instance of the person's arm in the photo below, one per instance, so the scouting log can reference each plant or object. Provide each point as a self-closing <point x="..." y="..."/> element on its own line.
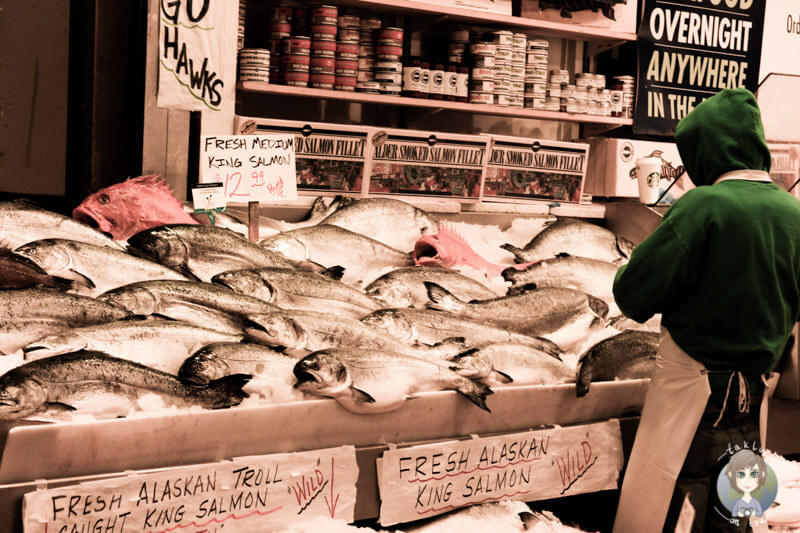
<point x="659" y="270"/>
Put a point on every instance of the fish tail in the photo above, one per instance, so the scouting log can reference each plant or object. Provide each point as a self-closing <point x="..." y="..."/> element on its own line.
<point x="335" y="272"/>
<point x="518" y="252"/>
<point x="582" y="384"/>
<point x="226" y="391"/>
<point x="600" y="307"/>
<point x="441" y="299"/>
<point x="510" y="274"/>
<point x="474" y="391"/>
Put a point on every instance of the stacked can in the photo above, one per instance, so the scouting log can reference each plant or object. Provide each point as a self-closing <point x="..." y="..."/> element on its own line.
<point x="504" y="45"/>
<point x="254" y="64"/>
<point x="323" y="29"/>
<point x="482" y="73"/>
<point x="240" y="30"/>
<point x="536" y="73"/>
<point x="558" y="91"/>
<point x="388" y="64"/>
<point x="295" y="61"/>
<point x="365" y="75"/>
<point x="458" y="46"/>
<point x="280" y="26"/>
<point x="300" y="21"/>
<point x="626" y="85"/>
<point x="347" y="52"/>
<point x="518" y="56"/>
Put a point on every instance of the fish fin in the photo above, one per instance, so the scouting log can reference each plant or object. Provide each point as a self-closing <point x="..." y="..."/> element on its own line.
<point x="226" y="391"/>
<point x="335" y="272"/>
<point x="82" y="280"/>
<point x="441" y="298"/>
<point x="59" y="407"/>
<point x="63" y="284"/>
<point x="184" y="269"/>
<point x="502" y="377"/>
<point x="525" y="288"/>
<point x="456" y="342"/>
<point x="518" y="252"/>
<point x="447" y="230"/>
<point x="516" y="291"/>
<point x="361" y="396"/>
<point x="474" y="391"/>
<point x="310" y="266"/>
<point x="563" y="254"/>
<point x="599" y="306"/>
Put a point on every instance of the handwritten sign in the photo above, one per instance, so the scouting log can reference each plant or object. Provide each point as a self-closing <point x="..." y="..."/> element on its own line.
<point x="248" y="494"/>
<point x="252" y="168"/>
<point x="688" y="51"/>
<point x="191" y="51"/>
<point x="423" y="481"/>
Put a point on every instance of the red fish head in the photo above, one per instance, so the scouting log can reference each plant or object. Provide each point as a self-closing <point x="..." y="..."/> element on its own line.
<point x="124" y="209"/>
<point x="440" y="249"/>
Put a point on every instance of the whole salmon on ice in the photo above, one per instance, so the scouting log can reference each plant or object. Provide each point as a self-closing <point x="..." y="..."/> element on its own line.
<point x="124" y="209"/>
<point x="449" y="249"/>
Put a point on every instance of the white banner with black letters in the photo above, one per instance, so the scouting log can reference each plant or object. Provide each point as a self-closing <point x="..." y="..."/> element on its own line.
<point x="191" y="53"/>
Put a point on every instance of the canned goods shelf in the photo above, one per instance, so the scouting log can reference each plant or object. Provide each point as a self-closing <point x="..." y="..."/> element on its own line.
<point x="542" y="28"/>
<point x="404" y="101"/>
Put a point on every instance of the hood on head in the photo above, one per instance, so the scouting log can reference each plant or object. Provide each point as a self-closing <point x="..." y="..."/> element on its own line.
<point x="722" y="134"/>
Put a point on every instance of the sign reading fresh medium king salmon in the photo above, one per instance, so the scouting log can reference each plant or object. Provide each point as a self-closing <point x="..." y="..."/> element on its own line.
<point x="247" y="494"/>
<point x="191" y="52"/>
<point x="252" y="168"/>
<point x="423" y="481"/>
<point x="688" y="51"/>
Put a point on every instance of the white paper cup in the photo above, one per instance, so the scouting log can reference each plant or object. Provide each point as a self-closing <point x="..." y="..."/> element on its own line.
<point x="648" y="175"/>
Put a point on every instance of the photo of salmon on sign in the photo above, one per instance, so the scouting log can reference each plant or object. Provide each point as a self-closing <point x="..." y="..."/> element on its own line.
<point x="191" y="51"/>
<point x="690" y="50"/>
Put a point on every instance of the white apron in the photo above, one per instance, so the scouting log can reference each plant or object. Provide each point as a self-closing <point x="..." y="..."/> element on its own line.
<point x="675" y="402"/>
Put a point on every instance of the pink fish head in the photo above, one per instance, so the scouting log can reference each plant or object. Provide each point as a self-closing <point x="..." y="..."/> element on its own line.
<point x="439" y="249"/>
<point x="448" y="249"/>
<point x="126" y="208"/>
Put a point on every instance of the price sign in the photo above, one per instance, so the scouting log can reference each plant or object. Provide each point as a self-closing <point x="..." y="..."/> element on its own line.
<point x="252" y="168"/>
<point x="245" y="495"/>
<point x="427" y="480"/>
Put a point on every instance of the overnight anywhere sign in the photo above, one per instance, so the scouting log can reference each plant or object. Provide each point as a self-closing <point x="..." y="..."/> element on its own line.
<point x="688" y="51"/>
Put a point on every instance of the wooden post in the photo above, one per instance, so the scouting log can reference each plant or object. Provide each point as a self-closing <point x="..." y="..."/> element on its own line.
<point x="252" y="221"/>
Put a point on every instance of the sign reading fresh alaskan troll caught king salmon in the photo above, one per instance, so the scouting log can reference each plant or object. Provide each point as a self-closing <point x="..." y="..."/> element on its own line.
<point x="689" y="50"/>
<point x="247" y="494"/>
<point x="191" y="52"/>
<point x="423" y="481"/>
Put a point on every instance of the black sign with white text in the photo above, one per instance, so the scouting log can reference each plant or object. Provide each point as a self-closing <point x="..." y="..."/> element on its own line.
<point x="688" y="51"/>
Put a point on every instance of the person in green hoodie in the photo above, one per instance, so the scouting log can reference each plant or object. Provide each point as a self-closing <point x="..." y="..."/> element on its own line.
<point x="723" y="269"/>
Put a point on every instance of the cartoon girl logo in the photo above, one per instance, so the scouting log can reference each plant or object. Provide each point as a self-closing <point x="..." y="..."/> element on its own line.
<point x="747" y="486"/>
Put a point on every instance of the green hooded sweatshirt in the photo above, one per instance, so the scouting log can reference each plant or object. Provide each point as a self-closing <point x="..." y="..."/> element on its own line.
<point x="723" y="267"/>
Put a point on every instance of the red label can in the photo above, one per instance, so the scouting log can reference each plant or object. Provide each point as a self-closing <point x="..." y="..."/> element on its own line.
<point x="325" y="15"/>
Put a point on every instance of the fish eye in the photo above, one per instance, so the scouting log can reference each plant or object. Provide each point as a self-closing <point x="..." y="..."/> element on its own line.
<point x="103" y="198"/>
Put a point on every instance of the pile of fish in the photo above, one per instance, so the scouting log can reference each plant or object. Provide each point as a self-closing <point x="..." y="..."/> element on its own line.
<point x="368" y="302"/>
